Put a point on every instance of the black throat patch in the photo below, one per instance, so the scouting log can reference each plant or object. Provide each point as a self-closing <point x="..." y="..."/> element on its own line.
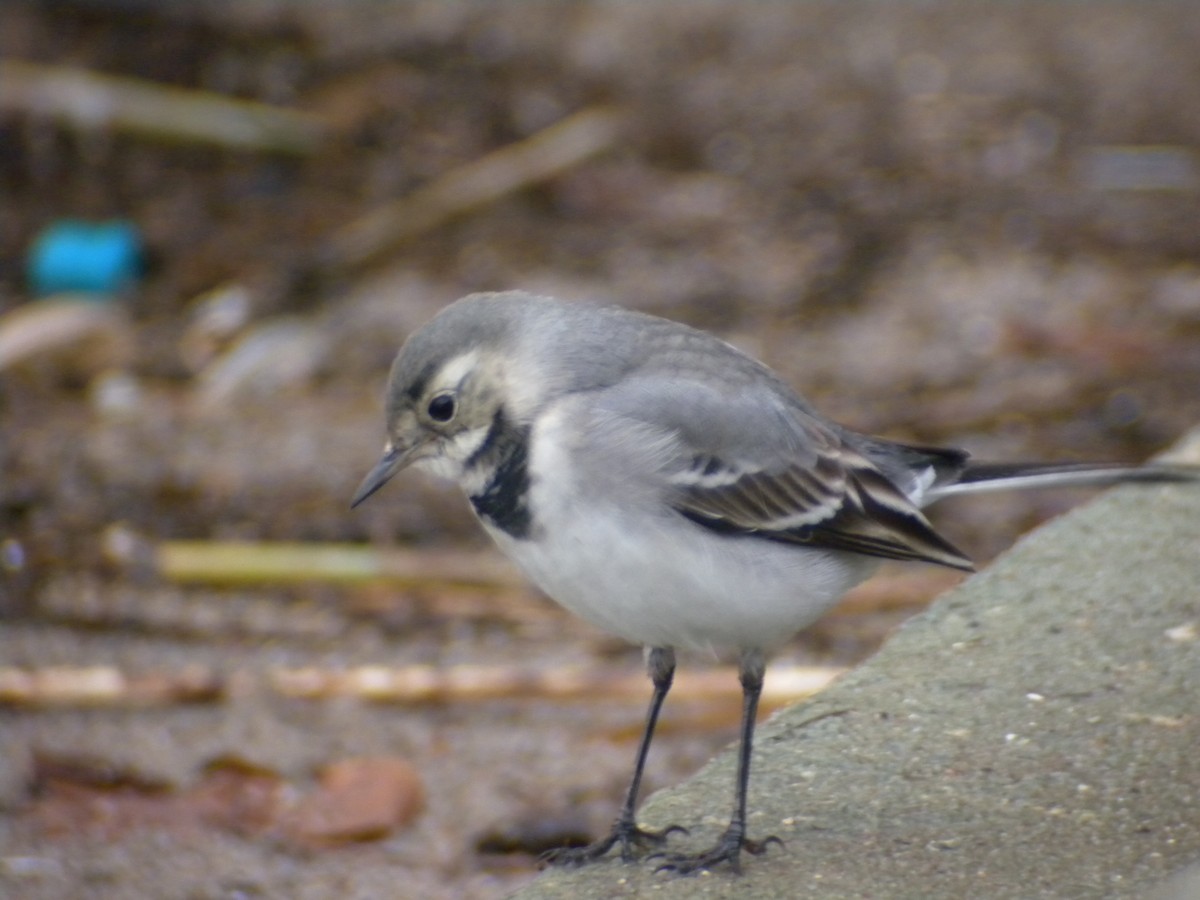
<point x="504" y="500"/>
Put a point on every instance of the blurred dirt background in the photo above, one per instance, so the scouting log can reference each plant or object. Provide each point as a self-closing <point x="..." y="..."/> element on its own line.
<point x="945" y="223"/>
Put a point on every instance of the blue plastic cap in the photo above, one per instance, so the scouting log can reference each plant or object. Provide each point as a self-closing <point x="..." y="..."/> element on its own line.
<point x="85" y="257"/>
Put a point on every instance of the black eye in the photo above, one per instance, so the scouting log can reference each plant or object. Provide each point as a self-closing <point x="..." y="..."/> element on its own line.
<point x="441" y="408"/>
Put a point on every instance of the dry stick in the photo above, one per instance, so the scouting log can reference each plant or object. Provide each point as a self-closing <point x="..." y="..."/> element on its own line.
<point x="53" y="687"/>
<point x="104" y="686"/>
<point x="247" y="562"/>
<point x="250" y="563"/>
<point x="468" y="683"/>
<point x="85" y="99"/>
<point x="485" y="180"/>
<point x="73" y="325"/>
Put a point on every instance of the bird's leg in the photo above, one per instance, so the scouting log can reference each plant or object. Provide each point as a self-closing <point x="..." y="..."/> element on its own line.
<point x="729" y="848"/>
<point x="625" y="831"/>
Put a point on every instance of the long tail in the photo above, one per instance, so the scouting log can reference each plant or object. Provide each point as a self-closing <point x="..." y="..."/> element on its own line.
<point x="979" y="477"/>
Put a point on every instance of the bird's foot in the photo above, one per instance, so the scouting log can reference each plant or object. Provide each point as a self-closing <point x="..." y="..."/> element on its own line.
<point x="624" y="832"/>
<point x="727" y="850"/>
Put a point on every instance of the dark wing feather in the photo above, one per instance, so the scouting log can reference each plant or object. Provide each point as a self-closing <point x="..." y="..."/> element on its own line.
<point x="842" y="503"/>
<point x="745" y="455"/>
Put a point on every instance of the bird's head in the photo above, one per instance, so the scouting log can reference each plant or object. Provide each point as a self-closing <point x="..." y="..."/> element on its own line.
<point x="451" y="383"/>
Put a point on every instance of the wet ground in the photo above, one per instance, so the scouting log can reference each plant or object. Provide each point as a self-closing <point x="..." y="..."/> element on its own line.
<point x="973" y="227"/>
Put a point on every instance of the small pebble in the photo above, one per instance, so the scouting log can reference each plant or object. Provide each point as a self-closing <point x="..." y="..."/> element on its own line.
<point x="360" y="799"/>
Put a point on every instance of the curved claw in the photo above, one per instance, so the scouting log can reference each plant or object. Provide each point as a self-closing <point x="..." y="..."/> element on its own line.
<point x="627" y="834"/>
<point x="727" y="850"/>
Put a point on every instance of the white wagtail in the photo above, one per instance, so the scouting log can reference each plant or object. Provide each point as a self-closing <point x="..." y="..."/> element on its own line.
<point x="670" y="489"/>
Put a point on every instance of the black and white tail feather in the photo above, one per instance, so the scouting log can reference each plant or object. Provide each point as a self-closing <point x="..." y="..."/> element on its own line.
<point x="865" y="495"/>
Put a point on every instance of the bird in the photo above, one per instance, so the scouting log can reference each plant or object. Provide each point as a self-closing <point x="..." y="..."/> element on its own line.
<point x="672" y="490"/>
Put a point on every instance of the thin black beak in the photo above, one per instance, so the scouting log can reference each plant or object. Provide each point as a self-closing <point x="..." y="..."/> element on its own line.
<point x="392" y="461"/>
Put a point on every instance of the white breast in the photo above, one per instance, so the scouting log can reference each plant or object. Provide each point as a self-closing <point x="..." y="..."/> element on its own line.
<point x="609" y="550"/>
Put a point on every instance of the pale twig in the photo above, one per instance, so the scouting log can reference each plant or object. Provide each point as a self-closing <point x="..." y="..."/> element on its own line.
<point x="482" y="181"/>
<point x="53" y="687"/>
<point x="264" y="562"/>
<point x="88" y="686"/>
<point x="474" y="683"/>
<point x="252" y="563"/>
<point x="90" y="100"/>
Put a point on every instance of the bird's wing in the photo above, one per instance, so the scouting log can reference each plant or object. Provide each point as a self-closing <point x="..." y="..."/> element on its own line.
<point x="746" y="457"/>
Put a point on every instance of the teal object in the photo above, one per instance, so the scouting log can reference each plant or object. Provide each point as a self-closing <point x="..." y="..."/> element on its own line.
<point x="75" y="256"/>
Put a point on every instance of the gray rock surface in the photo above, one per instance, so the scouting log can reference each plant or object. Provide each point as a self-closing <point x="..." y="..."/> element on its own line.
<point x="1035" y="734"/>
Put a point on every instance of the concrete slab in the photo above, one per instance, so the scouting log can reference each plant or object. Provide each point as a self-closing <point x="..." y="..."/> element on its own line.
<point x="1035" y="733"/>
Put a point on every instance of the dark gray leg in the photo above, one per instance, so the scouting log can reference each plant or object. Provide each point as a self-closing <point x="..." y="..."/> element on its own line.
<point x="661" y="665"/>
<point x="729" y="848"/>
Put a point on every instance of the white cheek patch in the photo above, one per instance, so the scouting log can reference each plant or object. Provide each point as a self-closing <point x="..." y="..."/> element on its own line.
<point x="453" y="453"/>
<point x="465" y="444"/>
